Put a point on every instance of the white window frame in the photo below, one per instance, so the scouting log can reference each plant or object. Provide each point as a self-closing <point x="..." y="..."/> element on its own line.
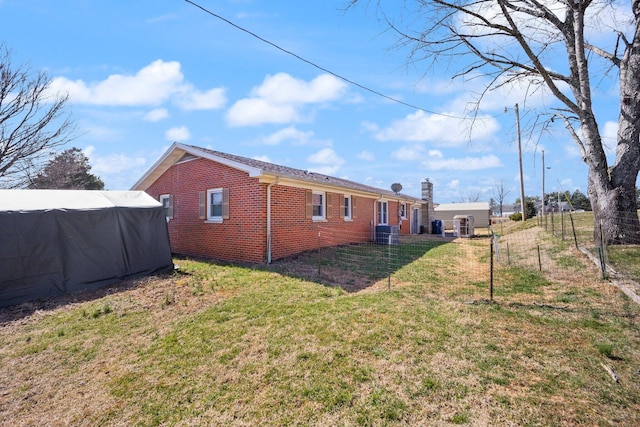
<point x="162" y="199"/>
<point x="323" y="205"/>
<point x="347" y="208"/>
<point x="383" y="212"/>
<point x="210" y="217"/>
<point x="403" y="210"/>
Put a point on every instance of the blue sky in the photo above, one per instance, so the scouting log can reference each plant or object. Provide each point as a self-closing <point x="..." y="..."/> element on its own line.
<point x="142" y="74"/>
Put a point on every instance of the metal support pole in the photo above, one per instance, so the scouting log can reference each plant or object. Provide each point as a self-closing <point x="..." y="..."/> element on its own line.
<point x="522" y="201"/>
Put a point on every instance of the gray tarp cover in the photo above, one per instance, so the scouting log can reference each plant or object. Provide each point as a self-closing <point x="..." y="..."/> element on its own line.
<point x="54" y="242"/>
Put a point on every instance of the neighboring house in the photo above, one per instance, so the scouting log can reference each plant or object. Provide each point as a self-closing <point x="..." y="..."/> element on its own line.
<point x="234" y="208"/>
<point x="508" y="209"/>
<point x="480" y="211"/>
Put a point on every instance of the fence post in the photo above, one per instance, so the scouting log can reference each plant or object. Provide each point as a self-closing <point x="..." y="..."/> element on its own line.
<point x="508" y="256"/>
<point x="562" y="220"/>
<point x="602" y="263"/>
<point x="573" y="228"/>
<point x="491" y="271"/>
<point x="319" y="255"/>
<point x="603" y="245"/>
<point x="539" y="259"/>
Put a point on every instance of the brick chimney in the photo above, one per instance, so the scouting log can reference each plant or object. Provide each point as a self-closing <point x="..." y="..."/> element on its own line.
<point x="428" y="212"/>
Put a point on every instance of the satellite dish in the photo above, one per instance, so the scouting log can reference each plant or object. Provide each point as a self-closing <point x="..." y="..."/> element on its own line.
<point x="396" y="187"/>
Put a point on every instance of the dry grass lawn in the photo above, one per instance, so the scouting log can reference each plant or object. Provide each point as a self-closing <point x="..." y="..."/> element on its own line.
<point x="227" y="345"/>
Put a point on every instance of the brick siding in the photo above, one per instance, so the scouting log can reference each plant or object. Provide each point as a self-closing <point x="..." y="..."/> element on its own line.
<point x="242" y="237"/>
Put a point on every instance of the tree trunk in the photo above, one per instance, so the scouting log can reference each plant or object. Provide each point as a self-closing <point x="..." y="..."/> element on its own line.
<point x="613" y="196"/>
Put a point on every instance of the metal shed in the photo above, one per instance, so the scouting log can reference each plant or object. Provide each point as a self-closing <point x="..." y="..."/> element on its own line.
<point x="480" y="211"/>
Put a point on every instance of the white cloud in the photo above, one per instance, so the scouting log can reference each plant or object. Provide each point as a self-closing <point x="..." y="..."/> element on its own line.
<point x="191" y="99"/>
<point x="156" y="115"/>
<point x="284" y="89"/>
<point x="326" y="155"/>
<point x="117" y="170"/>
<point x="282" y="98"/>
<point x="440" y="129"/>
<point x="179" y="134"/>
<point x="257" y="111"/>
<point x="326" y="161"/>
<point x="408" y="153"/>
<point x="101" y="133"/>
<point x="454" y="184"/>
<point x="115" y="163"/>
<point x="467" y="163"/>
<point x="295" y="136"/>
<point x="366" y="155"/>
<point x="153" y="85"/>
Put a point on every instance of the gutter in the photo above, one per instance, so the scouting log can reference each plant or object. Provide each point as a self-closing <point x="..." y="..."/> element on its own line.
<point x="269" y="218"/>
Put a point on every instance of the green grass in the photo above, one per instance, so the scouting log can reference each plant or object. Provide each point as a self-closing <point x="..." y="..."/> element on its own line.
<point x="226" y="345"/>
<point x="625" y="259"/>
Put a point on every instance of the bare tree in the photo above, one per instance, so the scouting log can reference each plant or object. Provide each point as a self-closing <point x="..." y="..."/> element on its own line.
<point x="471" y="198"/>
<point x="32" y="121"/>
<point x="500" y="192"/>
<point x="514" y="41"/>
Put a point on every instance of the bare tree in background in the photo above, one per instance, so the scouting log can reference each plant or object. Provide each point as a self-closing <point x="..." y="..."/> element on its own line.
<point x="32" y="121"/>
<point x="548" y="44"/>
<point x="471" y="198"/>
<point x="500" y="192"/>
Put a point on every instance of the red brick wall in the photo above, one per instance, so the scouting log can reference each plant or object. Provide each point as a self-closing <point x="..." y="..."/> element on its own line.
<point x="242" y="237"/>
<point x="293" y="232"/>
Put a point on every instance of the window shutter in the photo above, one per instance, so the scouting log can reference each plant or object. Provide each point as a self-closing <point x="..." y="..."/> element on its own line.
<point x="341" y="213"/>
<point x="170" y="207"/>
<point x="353" y="207"/>
<point x="308" y="204"/>
<point x="225" y="203"/>
<point x="202" y="208"/>
<point x="329" y="205"/>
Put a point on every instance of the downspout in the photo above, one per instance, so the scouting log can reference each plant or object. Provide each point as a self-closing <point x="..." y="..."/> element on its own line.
<point x="269" y="219"/>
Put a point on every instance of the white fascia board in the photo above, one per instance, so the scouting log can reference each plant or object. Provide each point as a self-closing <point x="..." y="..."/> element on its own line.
<point x="253" y="172"/>
<point x="318" y="186"/>
<point x="165" y="161"/>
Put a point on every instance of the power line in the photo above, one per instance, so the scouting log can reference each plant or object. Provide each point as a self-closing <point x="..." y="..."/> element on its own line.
<point x="313" y="64"/>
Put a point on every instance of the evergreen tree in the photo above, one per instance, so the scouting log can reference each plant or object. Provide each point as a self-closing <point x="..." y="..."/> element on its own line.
<point x="68" y="170"/>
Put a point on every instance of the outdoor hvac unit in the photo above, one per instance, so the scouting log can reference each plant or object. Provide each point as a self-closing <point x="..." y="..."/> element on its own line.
<point x="463" y="225"/>
<point x="387" y="234"/>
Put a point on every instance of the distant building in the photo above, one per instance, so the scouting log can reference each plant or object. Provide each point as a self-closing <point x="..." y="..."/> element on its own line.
<point x="480" y="211"/>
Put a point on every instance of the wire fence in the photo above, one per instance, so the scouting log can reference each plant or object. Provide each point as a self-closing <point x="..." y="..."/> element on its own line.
<point x="488" y="261"/>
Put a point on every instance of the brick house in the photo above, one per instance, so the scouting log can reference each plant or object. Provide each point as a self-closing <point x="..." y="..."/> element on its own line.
<point x="234" y="208"/>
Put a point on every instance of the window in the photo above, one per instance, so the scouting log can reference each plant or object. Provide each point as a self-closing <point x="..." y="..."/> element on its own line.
<point x="167" y="203"/>
<point x="347" y="208"/>
<point x="319" y="206"/>
<point x="403" y="210"/>
<point x="383" y="213"/>
<point x="217" y="204"/>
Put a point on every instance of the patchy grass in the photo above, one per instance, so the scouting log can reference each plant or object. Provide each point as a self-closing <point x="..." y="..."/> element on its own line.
<point x="625" y="259"/>
<point x="227" y="345"/>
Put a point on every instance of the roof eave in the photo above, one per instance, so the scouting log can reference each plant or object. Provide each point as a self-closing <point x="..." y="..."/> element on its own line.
<point x="174" y="153"/>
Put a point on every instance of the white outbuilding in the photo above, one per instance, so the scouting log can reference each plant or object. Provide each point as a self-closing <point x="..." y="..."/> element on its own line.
<point x="480" y="211"/>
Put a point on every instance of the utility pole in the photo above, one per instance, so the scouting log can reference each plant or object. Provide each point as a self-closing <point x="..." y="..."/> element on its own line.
<point x="542" y="182"/>
<point x="522" y="202"/>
